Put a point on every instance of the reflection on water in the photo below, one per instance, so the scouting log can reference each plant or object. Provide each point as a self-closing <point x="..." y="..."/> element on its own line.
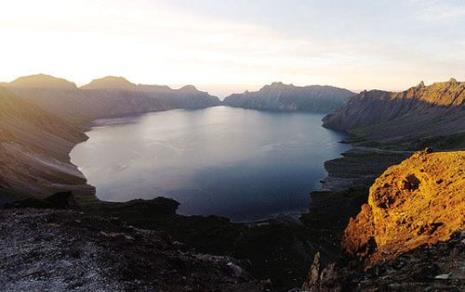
<point x="238" y="163"/>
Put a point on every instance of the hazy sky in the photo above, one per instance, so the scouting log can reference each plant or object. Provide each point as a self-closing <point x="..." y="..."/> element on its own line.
<point x="232" y="45"/>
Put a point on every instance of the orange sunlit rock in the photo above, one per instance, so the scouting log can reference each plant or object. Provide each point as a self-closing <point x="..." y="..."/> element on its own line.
<point x="420" y="201"/>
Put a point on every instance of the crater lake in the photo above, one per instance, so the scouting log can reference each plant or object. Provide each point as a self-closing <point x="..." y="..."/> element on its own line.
<point x="238" y="163"/>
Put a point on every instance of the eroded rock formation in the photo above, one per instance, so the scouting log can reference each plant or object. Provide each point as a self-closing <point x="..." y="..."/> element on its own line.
<point x="420" y="201"/>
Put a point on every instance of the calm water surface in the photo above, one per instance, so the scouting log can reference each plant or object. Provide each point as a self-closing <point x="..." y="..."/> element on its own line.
<point x="238" y="163"/>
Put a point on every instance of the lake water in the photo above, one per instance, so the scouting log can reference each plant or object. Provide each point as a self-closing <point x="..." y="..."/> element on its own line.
<point x="242" y="164"/>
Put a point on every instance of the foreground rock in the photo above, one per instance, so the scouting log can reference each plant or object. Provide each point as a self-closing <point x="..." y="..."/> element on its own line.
<point x="410" y="234"/>
<point x="52" y="250"/>
<point x="437" y="267"/>
<point x="420" y="201"/>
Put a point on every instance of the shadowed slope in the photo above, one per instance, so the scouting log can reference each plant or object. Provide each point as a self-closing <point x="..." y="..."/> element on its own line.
<point x="34" y="147"/>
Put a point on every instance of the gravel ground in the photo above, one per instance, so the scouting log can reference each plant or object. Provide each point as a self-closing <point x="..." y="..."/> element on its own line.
<point x="50" y="250"/>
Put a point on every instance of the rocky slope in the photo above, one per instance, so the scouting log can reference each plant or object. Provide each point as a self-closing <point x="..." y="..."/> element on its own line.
<point x="436" y="267"/>
<point x="63" y="250"/>
<point x="34" y="147"/>
<point x="105" y="97"/>
<point x="417" y="202"/>
<point x="399" y="118"/>
<point x="290" y="98"/>
<point x="410" y="234"/>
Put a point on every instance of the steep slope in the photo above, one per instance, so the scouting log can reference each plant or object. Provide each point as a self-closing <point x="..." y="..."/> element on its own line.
<point x="105" y="98"/>
<point x="420" y="201"/>
<point x="281" y="97"/>
<point x="400" y="118"/>
<point x="34" y="147"/>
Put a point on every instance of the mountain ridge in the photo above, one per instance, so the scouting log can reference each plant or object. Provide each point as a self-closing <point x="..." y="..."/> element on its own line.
<point x="383" y="117"/>
<point x="289" y="98"/>
<point x="41" y="81"/>
<point x="105" y="97"/>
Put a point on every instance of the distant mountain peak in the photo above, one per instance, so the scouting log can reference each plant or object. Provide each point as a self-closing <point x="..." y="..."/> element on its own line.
<point x="188" y="88"/>
<point x="110" y="82"/>
<point x="279" y="84"/>
<point x="276" y="85"/>
<point x="42" y="81"/>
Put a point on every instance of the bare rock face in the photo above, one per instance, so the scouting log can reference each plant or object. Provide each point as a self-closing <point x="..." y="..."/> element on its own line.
<point x="327" y="279"/>
<point x="420" y="201"/>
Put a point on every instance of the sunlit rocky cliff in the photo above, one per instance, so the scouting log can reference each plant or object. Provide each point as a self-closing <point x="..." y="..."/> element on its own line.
<point x="418" y="117"/>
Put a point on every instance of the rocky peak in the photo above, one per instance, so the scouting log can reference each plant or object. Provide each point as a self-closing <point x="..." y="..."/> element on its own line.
<point x="188" y="88"/>
<point x="276" y="86"/>
<point x="417" y="202"/>
<point x="42" y="81"/>
<point x="110" y="82"/>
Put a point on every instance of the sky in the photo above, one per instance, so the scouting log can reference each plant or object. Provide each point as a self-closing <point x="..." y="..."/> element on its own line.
<point x="226" y="46"/>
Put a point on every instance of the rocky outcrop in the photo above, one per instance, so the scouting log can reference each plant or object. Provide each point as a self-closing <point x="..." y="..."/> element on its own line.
<point x="436" y="267"/>
<point x="106" y="97"/>
<point x="34" y="147"/>
<point x="410" y="235"/>
<point x="290" y="98"/>
<point x="63" y="200"/>
<point x="418" y="117"/>
<point x="420" y="201"/>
